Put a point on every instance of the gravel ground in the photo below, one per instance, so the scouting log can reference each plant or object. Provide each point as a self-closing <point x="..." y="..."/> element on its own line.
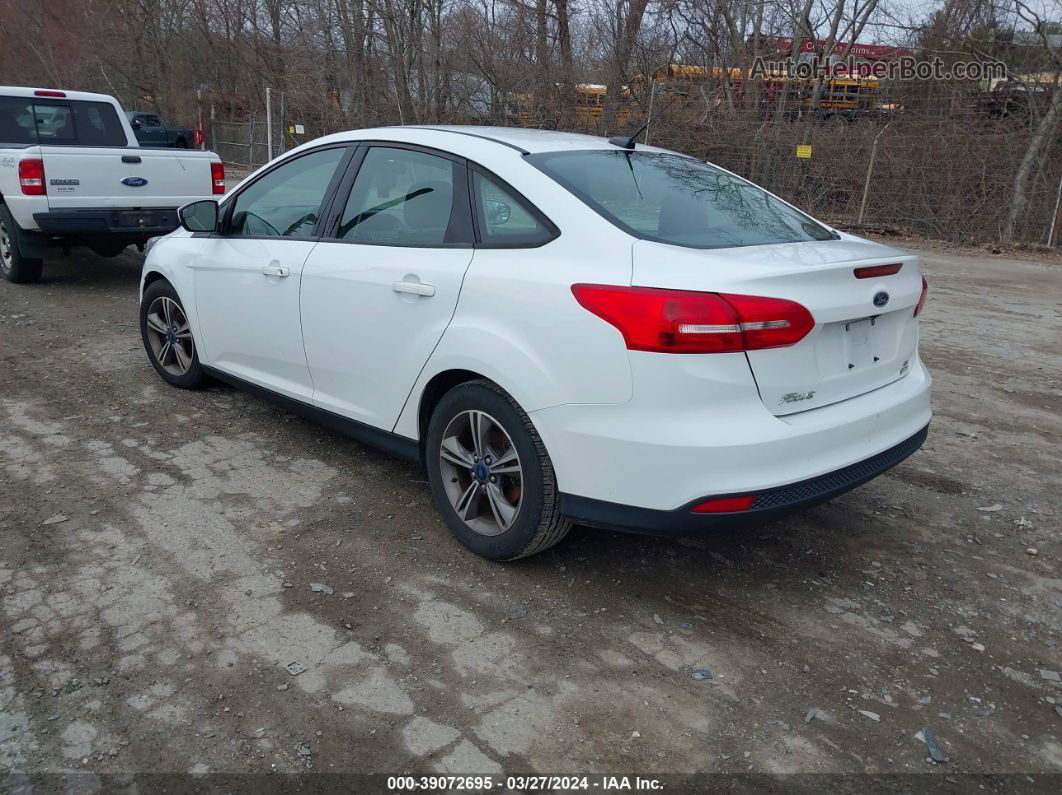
<point x="159" y="550"/>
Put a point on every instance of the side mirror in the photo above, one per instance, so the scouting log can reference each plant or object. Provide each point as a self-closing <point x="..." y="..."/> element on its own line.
<point x="136" y="124"/>
<point x="497" y="212"/>
<point x="201" y="216"/>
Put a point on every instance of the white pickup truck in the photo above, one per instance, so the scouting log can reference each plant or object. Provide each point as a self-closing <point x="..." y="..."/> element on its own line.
<point x="72" y="173"/>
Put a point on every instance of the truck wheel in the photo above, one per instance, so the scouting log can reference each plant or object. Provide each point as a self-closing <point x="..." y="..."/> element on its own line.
<point x="15" y="267"/>
<point x="168" y="337"/>
<point x="180" y="143"/>
<point x="490" y="474"/>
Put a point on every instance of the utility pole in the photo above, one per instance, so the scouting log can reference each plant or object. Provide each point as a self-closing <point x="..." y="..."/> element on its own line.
<point x="652" y="93"/>
<point x="269" y="124"/>
<point x="201" y="134"/>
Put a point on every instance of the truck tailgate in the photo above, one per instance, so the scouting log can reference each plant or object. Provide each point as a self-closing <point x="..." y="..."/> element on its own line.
<point x="78" y="177"/>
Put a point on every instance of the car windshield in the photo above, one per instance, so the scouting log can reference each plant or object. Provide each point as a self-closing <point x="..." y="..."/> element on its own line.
<point x="674" y="199"/>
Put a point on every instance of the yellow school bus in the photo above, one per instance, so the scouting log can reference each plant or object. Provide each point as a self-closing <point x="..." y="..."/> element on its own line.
<point x="586" y="110"/>
<point x="848" y="94"/>
<point x="678" y="73"/>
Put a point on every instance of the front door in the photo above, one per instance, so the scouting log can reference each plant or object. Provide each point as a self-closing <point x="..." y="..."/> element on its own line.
<point x="377" y="295"/>
<point x="247" y="277"/>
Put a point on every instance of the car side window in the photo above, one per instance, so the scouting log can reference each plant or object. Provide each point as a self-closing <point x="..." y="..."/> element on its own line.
<point x="151" y="121"/>
<point x="402" y="197"/>
<point x="287" y="201"/>
<point x="504" y="218"/>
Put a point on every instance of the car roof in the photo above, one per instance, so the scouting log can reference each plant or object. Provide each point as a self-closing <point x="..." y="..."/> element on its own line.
<point x="529" y="140"/>
<point x="523" y="140"/>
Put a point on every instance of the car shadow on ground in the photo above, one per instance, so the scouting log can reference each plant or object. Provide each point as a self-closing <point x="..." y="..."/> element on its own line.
<point x="83" y="268"/>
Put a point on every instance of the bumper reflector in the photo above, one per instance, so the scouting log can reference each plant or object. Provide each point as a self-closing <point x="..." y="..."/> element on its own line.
<point x="724" y="505"/>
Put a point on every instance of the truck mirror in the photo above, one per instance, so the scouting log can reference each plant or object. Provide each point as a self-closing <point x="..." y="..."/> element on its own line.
<point x="201" y="216"/>
<point x="136" y="124"/>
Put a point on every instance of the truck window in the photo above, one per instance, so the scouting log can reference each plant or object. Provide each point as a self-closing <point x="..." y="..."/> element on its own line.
<point x="26" y="121"/>
<point x="17" y="125"/>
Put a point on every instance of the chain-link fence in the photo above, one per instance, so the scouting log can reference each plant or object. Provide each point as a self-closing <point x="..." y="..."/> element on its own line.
<point x="241" y="143"/>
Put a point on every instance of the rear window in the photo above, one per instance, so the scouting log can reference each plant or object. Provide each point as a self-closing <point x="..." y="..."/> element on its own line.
<point x="674" y="199"/>
<point x="25" y="120"/>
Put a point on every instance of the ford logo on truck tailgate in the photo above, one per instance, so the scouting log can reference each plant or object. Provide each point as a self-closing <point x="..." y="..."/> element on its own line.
<point x="134" y="182"/>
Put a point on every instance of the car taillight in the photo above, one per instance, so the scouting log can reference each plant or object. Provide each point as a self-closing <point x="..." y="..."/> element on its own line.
<point x="31" y="177"/>
<point x="770" y="322"/>
<point x="45" y="92"/>
<point x="724" y="504"/>
<point x="679" y="321"/>
<point x="217" y="177"/>
<point x="922" y="297"/>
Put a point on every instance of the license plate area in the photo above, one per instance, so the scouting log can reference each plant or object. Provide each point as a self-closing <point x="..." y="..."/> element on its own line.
<point x="859" y="343"/>
<point x="145" y="219"/>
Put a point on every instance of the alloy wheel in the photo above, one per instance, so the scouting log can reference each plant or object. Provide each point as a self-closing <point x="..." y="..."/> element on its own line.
<point x="481" y="472"/>
<point x="170" y="336"/>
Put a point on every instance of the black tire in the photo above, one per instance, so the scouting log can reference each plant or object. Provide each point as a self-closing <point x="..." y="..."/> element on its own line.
<point x="191" y="378"/>
<point x="537" y="524"/>
<point x="15" y="267"/>
<point x="180" y="143"/>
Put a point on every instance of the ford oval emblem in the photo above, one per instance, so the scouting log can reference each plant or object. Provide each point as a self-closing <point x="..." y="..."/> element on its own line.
<point x="880" y="299"/>
<point x="134" y="182"/>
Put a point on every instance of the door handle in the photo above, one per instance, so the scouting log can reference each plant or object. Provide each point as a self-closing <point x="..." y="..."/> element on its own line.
<point x="275" y="270"/>
<point x="413" y="288"/>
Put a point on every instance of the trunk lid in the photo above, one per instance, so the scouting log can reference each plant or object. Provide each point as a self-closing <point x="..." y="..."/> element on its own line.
<point x="855" y="347"/>
<point x="81" y="177"/>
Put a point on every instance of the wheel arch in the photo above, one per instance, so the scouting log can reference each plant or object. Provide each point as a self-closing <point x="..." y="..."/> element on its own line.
<point x="433" y="392"/>
<point x="149" y="278"/>
<point x="153" y="276"/>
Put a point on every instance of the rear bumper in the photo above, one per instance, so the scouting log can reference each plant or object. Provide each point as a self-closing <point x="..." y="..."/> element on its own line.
<point x="133" y="224"/>
<point x="768" y="503"/>
<point x="671" y="447"/>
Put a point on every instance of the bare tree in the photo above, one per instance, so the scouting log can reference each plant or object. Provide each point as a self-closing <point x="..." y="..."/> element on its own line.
<point x="623" y="22"/>
<point x="1044" y="135"/>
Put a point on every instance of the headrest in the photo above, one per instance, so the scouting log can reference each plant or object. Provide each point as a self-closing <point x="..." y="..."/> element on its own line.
<point x="430" y="208"/>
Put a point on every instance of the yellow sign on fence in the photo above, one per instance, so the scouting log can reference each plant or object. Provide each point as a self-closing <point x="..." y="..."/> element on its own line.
<point x="804" y="151"/>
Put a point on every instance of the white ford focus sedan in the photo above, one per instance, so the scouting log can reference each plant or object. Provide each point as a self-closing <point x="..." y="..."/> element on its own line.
<point x="560" y="328"/>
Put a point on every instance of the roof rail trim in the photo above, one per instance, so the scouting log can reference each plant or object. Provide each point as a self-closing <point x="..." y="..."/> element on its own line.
<point x="519" y="149"/>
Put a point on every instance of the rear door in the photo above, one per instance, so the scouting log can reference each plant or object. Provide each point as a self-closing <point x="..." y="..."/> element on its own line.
<point x="865" y="333"/>
<point x="377" y="295"/>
